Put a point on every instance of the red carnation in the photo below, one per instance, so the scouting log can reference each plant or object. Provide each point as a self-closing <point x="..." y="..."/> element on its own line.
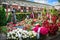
<point x="58" y="24"/>
<point x="53" y="29"/>
<point x="54" y="18"/>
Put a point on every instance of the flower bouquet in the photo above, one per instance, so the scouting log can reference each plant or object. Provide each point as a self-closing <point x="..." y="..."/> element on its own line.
<point x="58" y="24"/>
<point x="20" y="34"/>
<point x="32" y="34"/>
<point x="28" y="21"/>
<point x="53" y="29"/>
<point x="41" y="31"/>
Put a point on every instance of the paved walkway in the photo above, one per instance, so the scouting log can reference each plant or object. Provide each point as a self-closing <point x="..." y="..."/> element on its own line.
<point x="57" y="38"/>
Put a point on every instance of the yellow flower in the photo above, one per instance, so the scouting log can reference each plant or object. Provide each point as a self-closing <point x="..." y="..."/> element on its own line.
<point x="32" y="36"/>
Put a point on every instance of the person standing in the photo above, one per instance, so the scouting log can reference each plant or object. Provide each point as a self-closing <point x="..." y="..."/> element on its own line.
<point x="14" y="20"/>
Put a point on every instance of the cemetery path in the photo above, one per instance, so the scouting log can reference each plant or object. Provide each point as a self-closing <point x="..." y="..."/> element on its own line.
<point x="57" y="38"/>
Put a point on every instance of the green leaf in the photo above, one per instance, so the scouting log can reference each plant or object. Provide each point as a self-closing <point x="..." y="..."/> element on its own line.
<point x="2" y="16"/>
<point x="44" y="11"/>
<point x="53" y="11"/>
<point x="4" y="29"/>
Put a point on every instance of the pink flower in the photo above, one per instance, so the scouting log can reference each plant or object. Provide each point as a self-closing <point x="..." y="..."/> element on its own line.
<point x="11" y="23"/>
<point x="54" y="18"/>
<point x="48" y="15"/>
<point x="35" y="20"/>
<point x="36" y="28"/>
<point x="14" y="25"/>
<point x="53" y="29"/>
<point x="44" y="31"/>
<point x="58" y="24"/>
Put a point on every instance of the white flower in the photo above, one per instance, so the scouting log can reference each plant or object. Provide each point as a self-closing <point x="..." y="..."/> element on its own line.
<point x="13" y="37"/>
<point x="10" y="32"/>
<point x="23" y="36"/>
<point x="34" y="33"/>
<point x="30" y="33"/>
<point x="20" y="30"/>
<point x="8" y="35"/>
<point x="32" y="36"/>
<point x="14" y="31"/>
<point x="16" y="35"/>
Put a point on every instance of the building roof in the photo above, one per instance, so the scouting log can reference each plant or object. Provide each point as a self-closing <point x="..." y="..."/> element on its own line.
<point x="29" y="1"/>
<point x="27" y="4"/>
<point x="39" y="3"/>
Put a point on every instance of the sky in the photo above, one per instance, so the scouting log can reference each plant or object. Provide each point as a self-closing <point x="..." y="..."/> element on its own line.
<point x="51" y="2"/>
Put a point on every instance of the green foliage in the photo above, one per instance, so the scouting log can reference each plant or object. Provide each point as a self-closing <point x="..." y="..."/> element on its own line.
<point x="9" y="18"/>
<point x="21" y="16"/>
<point x="53" y="11"/>
<point x="4" y="29"/>
<point x="3" y="20"/>
<point x="2" y="16"/>
<point x="58" y="0"/>
<point x="44" y="11"/>
<point x="18" y="16"/>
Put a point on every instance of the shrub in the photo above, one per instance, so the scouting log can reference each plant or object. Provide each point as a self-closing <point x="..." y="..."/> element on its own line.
<point x="2" y="16"/>
<point x="3" y="20"/>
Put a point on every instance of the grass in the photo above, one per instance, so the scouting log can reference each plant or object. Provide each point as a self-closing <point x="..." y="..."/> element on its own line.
<point x="20" y="13"/>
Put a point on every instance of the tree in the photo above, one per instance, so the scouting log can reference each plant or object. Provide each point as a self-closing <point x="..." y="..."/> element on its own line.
<point x="58" y="0"/>
<point x="3" y="20"/>
<point x="2" y="16"/>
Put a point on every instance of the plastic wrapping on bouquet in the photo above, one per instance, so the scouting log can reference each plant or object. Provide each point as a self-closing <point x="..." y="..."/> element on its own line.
<point x="38" y="33"/>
